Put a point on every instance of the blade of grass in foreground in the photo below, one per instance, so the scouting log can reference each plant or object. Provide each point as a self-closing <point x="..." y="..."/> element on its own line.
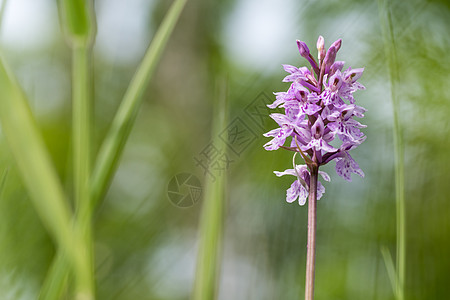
<point x="81" y="41"/>
<point x="212" y="216"/>
<point x="77" y="22"/>
<point x="79" y="38"/>
<point x="2" y="11"/>
<point x="81" y="151"/>
<point x="389" y="264"/>
<point x="35" y="166"/>
<point x="391" y="55"/>
<point x="81" y="104"/>
<point x="56" y="280"/>
<point x="115" y="139"/>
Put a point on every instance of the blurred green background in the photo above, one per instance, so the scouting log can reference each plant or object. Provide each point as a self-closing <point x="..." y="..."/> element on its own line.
<point x="146" y="246"/>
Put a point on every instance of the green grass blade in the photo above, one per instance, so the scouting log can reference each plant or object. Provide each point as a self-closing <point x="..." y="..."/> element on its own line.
<point x="389" y="264"/>
<point x="212" y="218"/>
<point x="59" y="271"/>
<point x="119" y="131"/>
<point x="78" y="23"/>
<point x="3" y="181"/>
<point x="81" y="109"/>
<point x="38" y="173"/>
<point x="2" y="12"/>
<point x="56" y="280"/>
<point x="33" y="161"/>
<point x="391" y="55"/>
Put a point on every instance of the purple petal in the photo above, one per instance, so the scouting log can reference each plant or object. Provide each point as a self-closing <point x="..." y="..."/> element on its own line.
<point x="309" y="86"/>
<point x="290" y="69"/>
<point x="310" y="108"/>
<point x="320" y="190"/>
<point x="335" y="81"/>
<point x="303" y="132"/>
<point x="355" y="123"/>
<point x="280" y="118"/>
<point x="273" y="132"/>
<point x="303" y="195"/>
<point x="325" y="146"/>
<point x="359" y="111"/>
<point x="279" y="100"/>
<point x="313" y="97"/>
<point x="346" y="165"/>
<point x="280" y="135"/>
<point x="318" y="128"/>
<point x="325" y="176"/>
<point x="293" y="192"/>
<point x="285" y="172"/>
<point x="353" y="75"/>
<point x="336" y="66"/>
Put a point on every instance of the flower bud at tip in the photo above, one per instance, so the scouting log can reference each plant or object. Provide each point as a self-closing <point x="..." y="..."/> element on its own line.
<point x="303" y="49"/>
<point x="337" y="44"/>
<point x="321" y="47"/>
<point x="329" y="58"/>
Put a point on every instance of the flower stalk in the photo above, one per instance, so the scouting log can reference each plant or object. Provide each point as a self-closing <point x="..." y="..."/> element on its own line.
<point x="312" y="225"/>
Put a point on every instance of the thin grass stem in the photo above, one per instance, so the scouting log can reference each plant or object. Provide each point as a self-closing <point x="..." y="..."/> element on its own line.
<point x="56" y="280"/>
<point x="212" y="216"/>
<point x="391" y="55"/>
<point x="115" y="140"/>
<point x="2" y="12"/>
<point x="81" y="107"/>
<point x="78" y="23"/>
<point x="389" y="264"/>
<point x="35" y="166"/>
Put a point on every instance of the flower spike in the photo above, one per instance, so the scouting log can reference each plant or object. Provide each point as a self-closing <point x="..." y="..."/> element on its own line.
<point x="317" y="111"/>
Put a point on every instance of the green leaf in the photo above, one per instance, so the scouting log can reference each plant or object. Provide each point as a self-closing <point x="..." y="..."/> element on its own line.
<point x="32" y="158"/>
<point x="115" y="140"/>
<point x="390" y="268"/>
<point x="391" y="58"/>
<point x="212" y="216"/>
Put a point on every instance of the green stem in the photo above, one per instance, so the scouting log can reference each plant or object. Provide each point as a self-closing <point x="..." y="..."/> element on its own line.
<point x="211" y="219"/>
<point x="112" y="147"/>
<point x="2" y="12"/>
<point x="79" y="28"/>
<point x="391" y="55"/>
<point x="81" y="105"/>
<point x="78" y="23"/>
<point x="312" y="221"/>
<point x="34" y="163"/>
<point x="81" y="128"/>
<point x="56" y="279"/>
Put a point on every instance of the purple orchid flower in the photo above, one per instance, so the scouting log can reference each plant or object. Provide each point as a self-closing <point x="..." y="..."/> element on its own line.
<point x="319" y="107"/>
<point x="299" y="188"/>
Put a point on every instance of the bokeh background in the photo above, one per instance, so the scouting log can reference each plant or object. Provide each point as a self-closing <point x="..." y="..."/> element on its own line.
<point x="145" y="246"/>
